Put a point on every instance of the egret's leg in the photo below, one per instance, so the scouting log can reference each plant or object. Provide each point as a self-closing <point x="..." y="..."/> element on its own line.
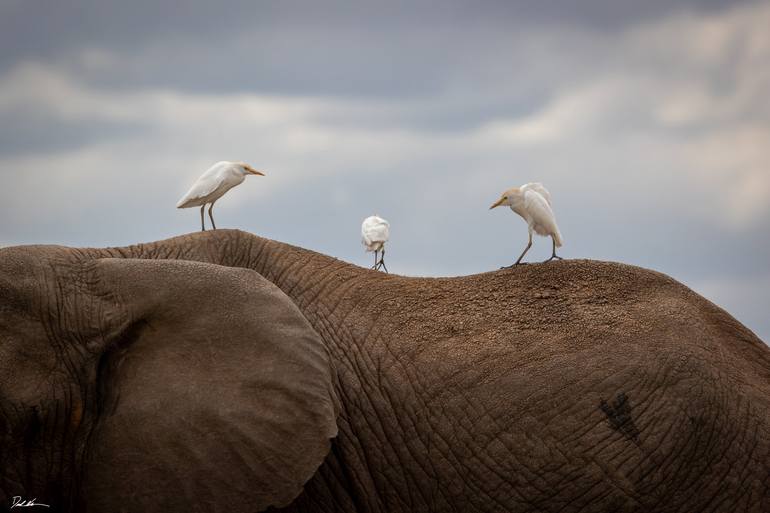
<point x="529" y="245"/>
<point x="203" y="226"/>
<point x="382" y="259"/>
<point x="211" y="207"/>
<point x="518" y="261"/>
<point x="375" y="260"/>
<point x="553" y="255"/>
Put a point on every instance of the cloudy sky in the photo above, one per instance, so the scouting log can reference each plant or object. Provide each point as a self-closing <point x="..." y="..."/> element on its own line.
<point x="648" y="121"/>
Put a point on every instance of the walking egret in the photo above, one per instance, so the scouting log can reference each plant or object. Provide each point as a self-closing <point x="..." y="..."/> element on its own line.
<point x="213" y="184"/>
<point x="532" y="201"/>
<point x="374" y="234"/>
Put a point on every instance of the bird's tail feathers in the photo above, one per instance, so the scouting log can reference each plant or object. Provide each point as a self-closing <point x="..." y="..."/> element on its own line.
<point x="557" y="238"/>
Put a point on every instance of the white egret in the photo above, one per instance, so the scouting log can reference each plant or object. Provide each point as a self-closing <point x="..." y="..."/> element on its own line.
<point x="374" y="234"/>
<point x="532" y="201"/>
<point x="213" y="184"/>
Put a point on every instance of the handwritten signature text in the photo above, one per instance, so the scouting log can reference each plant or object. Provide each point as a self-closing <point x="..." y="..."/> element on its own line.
<point x="18" y="502"/>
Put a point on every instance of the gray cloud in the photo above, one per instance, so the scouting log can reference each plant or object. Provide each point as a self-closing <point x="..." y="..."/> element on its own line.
<point x="38" y="133"/>
<point x="301" y="47"/>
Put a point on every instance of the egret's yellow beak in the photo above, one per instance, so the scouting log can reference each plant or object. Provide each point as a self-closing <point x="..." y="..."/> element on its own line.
<point x="255" y="172"/>
<point x="497" y="203"/>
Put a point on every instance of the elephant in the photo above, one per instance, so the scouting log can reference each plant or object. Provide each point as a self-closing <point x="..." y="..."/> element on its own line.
<point x="222" y="371"/>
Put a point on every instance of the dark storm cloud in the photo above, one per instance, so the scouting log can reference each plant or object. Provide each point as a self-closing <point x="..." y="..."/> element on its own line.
<point x="341" y="48"/>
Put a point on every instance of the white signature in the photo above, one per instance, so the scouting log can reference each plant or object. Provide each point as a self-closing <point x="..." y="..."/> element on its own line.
<point x="19" y="502"/>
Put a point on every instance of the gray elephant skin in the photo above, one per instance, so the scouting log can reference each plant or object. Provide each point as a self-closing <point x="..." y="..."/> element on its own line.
<point x="221" y="371"/>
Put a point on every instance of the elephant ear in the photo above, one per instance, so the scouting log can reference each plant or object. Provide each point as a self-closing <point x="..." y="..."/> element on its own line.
<point x="215" y="392"/>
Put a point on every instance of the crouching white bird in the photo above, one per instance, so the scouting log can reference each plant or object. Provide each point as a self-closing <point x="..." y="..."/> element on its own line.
<point x="532" y="201"/>
<point x="374" y="234"/>
<point x="213" y="184"/>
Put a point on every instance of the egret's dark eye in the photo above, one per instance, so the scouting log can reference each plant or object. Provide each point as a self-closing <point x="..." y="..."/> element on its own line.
<point x="505" y="197"/>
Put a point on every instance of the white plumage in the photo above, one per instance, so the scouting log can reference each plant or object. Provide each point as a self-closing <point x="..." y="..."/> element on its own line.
<point x="532" y="202"/>
<point x="375" y="232"/>
<point x="213" y="184"/>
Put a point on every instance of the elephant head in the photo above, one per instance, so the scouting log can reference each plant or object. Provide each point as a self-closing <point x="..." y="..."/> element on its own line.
<point x="210" y="372"/>
<point x="159" y="384"/>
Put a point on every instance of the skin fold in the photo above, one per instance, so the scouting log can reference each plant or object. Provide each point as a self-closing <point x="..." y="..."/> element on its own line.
<point x="220" y="371"/>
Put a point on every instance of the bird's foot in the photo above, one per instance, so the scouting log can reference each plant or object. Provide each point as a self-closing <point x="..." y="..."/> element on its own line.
<point x="553" y="257"/>
<point x="514" y="265"/>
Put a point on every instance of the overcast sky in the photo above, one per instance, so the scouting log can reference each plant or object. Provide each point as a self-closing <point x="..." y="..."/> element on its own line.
<point x="648" y="121"/>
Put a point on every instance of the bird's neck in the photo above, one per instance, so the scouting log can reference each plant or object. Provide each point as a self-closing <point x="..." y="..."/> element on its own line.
<point x="515" y="199"/>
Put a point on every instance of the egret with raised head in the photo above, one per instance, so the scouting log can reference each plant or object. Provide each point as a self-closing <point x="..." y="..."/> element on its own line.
<point x="532" y="201"/>
<point x="374" y="234"/>
<point x="213" y="184"/>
